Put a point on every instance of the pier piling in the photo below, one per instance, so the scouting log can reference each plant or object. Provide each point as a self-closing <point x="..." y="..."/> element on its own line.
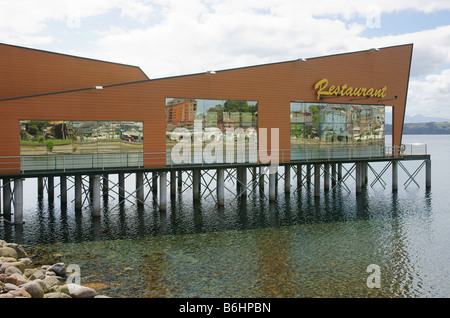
<point x="428" y="174"/>
<point x="18" y="201"/>
<point x="6" y="196"/>
<point x="394" y="175"/>
<point x="78" y="192"/>
<point x="221" y="187"/>
<point x="121" y="178"/>
<point x="163" y="191"/>
<point x="317" y="180"/>
<point x="96" y="196"/>
<point x="287" y="178"/>
<point x="272" y="187"/>
<point x="63" y="189"/>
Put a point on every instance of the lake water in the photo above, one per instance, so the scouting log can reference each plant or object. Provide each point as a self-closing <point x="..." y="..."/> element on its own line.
<point x="299" y="246"/>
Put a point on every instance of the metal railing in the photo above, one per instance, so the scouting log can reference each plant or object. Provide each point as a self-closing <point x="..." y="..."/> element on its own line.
<point x="140" y="160"/>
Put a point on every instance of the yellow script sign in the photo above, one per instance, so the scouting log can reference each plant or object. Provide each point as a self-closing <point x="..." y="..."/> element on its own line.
<point x="344" y="90"/>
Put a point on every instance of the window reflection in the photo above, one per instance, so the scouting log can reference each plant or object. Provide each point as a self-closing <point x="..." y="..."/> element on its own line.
<point x="204" y="123"/>
<point x="321" y="130"/>
<point x="80" y="137"/>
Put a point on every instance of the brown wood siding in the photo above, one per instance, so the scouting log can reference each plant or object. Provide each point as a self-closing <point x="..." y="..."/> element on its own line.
<point x="27" y="72"/>
<point x="274" y="86"/>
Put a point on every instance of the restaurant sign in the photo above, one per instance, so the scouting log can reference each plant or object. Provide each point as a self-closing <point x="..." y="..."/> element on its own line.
<point x="345" y="90"/>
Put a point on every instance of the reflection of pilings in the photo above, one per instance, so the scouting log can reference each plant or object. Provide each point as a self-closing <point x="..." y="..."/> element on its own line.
<point x="18" y="201"/>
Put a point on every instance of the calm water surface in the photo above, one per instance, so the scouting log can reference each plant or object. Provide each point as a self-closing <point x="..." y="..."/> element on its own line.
<point x="299" y="246"/>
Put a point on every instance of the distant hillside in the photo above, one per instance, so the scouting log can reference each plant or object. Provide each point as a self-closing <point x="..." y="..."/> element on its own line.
<point x="430" y="128"/>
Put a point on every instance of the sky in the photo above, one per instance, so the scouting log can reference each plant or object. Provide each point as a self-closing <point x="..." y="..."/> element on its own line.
<point x="177" y="37"/>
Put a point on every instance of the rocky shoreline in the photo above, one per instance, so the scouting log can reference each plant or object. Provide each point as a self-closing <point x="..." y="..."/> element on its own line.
<point x="20" y="278"/>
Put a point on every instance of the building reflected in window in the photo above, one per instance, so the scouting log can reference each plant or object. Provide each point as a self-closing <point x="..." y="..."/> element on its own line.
<point x="221" y="126"/>
<point x="327" y="131"/>
<point x="80" y="137"/>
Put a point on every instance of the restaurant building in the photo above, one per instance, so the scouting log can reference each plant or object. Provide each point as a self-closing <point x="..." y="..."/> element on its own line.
<point x="324" y="107"/>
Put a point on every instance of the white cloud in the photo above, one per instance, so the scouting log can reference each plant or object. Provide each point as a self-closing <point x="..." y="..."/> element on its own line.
<point x="430" y="97"/>
<point x="175" y="37"/>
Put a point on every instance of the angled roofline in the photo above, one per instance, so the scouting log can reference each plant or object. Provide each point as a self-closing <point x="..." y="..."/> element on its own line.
<point x="73" y="90"/>
<point x="73" y="56"/>
<point x="180" y="76"/>
<point x="282" y="62"/>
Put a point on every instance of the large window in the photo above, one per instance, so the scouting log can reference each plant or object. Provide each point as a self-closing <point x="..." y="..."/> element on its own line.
<point x="211" y="131"/>
<point x="327" y="131"/>
<point x="80" y="144"/>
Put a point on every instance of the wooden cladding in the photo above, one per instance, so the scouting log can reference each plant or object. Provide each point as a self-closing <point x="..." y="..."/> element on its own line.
<point x="273" y="86"/>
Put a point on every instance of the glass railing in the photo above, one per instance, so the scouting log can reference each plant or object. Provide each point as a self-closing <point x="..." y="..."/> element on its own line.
<point x="140" y="160"/>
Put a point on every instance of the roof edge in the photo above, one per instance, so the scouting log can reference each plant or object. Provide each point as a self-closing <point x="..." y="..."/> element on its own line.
<point x="72" y="56"/>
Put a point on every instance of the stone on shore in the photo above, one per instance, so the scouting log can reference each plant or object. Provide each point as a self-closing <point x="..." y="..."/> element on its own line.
<point x="34" y="289"/>
<point x="78" y="291"/>
<point x="56" y="295"/>
<point x="59" y="269"/>
<point x="8" y="252"/>
<point x="19" y="278"/>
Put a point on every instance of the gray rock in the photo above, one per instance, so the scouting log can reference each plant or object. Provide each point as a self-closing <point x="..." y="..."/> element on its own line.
<point x="9" y="287"/>
<point x="19" y="250"/>
<point x="34" y="289"/>
<point x="37" y="275"/>
<point x="12" y="270"/>
<point x="8" y="252"/>
<point x="29" y="271"/>
<point x="78" y="291"/>
<point x="16" y="279"/>
<point x="59" y="269"/>
<point x="52" y="281"/>
<point x="43" y="285"/>
<point x="26" y="261"/>
<point x="56" y="295"/>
